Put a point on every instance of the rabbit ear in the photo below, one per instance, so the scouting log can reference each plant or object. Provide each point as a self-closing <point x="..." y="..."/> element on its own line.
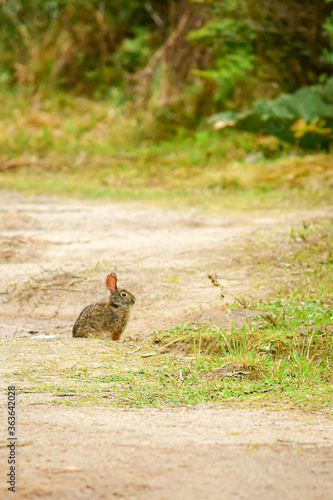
<point x="111" y="282"/>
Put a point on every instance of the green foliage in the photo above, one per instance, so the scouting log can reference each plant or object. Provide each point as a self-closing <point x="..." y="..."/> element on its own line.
<point x="231" y="40"/>
<point x="230" y="70"/>
<point x="290" y="39"/>
<point x="304" y="118"/>
<point x="180" y="60"/>
<point x="327" y="55"/>
<point x="74" y="44"/>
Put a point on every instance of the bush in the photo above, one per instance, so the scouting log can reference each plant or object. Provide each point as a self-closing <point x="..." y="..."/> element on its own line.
<point x="304" y="118"/>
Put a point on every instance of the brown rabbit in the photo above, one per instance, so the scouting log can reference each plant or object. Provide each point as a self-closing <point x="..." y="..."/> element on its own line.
<point x="106" y="319"/>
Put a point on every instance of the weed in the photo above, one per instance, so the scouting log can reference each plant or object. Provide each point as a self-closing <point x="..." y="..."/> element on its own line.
<point x="235" y="345"/>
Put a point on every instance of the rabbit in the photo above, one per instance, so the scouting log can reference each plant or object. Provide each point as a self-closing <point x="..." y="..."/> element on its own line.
<point x="106" y="319"/>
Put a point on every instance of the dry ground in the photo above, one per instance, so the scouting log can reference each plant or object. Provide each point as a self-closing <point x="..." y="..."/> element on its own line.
<point x="54" y="257"/>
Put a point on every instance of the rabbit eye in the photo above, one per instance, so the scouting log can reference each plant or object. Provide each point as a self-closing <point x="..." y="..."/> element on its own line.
<point x="123" y="294"/>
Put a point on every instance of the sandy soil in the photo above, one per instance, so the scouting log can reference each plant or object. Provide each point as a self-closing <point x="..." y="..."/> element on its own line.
<point x="169" y="453"/>
<point x="54" y="256"/>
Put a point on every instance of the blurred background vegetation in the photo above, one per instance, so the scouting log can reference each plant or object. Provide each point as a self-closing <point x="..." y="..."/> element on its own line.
<point x="88" y="78"/>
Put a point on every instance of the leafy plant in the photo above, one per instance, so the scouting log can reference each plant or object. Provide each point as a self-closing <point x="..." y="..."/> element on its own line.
<point x="304" y="118"/>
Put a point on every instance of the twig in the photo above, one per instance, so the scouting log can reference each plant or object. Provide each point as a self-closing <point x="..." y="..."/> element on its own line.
<point x="168" y="43"/>
<point x="136" y="350"/>
<point x="214" y="281"/>
<point x="149" y="354"/>
<point x="270" y="317"/>
<point x="234" y="374"/>
<point x="161" y="349"/>
<point x="156" y="18"/>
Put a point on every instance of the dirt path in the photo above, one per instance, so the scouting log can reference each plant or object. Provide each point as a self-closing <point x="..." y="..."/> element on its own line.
<point x="96" y="453"/>
<point x="54" y="255"/>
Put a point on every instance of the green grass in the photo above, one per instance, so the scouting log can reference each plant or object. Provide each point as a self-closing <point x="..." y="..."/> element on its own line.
<point x="276" y="365"/>
<point x="285" y="354"/>
<point x="280" y="366"/>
